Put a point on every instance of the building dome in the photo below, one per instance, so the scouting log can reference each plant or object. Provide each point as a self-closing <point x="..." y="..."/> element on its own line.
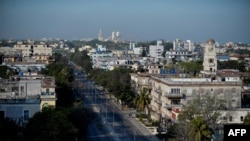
<point x="210" y="41"/>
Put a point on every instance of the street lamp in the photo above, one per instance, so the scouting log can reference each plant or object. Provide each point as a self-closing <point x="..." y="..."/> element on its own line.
<point x="113" y="120"/>
<point x="134" y="134"/>
<point x="106" y="110"/>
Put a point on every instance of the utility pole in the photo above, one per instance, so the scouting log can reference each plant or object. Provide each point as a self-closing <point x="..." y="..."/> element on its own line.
<point x="134" y="134"/>
<point x="113" y="120"/>
<point x="106" y="110"/>
<point x="95" y="94"/>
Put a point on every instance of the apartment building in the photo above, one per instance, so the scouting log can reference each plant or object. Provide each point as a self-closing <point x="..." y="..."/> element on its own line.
<point x="41" y="52"/>
<point x="33" y="49"/>
<point x="183" y="51"/>
<point x="22" y="97"/>
<point x="156" y="50"/>
<point x="169" y="95"/>
<point x="182" y="55"/>
<point x="171" y="92"/>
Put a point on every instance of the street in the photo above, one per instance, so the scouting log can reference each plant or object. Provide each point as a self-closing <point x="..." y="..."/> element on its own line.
<point x="111" y="123"/>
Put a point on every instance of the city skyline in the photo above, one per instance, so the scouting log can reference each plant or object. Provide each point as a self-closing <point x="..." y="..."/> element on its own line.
<point x="138" y="20"/>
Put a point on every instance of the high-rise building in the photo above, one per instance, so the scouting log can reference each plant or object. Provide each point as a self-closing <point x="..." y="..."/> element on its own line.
<point x="113" y="37"/>
<point x="156" y="50"/>
<point x="100" y="35"/>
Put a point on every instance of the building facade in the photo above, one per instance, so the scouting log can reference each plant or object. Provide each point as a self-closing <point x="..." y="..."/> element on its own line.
<point x="22" y="97"/>
<point x="156" y="50"/>
<point x="171" y="93"/>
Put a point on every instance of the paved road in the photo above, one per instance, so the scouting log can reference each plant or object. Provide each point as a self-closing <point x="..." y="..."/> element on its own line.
<point x="111" y="123"/>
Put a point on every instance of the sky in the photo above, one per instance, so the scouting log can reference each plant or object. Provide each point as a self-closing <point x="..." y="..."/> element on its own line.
<point x="137" y="20"/>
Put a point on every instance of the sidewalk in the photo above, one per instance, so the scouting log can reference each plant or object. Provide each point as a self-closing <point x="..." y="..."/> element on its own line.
<point x="142" y="128"/>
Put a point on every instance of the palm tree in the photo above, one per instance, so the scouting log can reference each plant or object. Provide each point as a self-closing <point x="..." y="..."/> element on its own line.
<point x="143" y="100"/>
<point x="199" y="129"/>
<point x="247" y="119"/>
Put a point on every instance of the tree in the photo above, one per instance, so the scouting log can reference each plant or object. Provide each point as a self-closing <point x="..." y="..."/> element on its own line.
<point x="247" y="119"/>
<point x="231" y="64"/>
<point x="6" y="72"/>
<point x="203" y="112"/>
<point x="59" y="124"/>
<point x="117" y="82"/>
<point x="142" y="101"/>
<point x="199" y="129"/>
<point x="191" y="66"/>
<point x="9" y="130"/>
<point x="50" y="124"/>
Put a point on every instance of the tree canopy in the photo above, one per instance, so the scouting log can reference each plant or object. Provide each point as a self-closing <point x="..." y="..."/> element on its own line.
<point x="117" y="82"/>
<point x="6" y="72"/>
<point x="231" y="64"/>
<point x="58" y="124"/>
<point x="191" y="66"/>
<point x="198" y="120"/>
<point x="142" y="100"/>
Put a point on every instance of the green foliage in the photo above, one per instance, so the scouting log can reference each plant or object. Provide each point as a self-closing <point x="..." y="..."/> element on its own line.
<point x="6" y="72"/>
<point x="82" y="59"/>
<point x="142" y="100"/>
<point x="191" y="66"/>
<point x="64" y="96"/>
<point x="231" y="64"/>
<point x="64" y="75"/>
<point x="247" y="119"/>
<point x="199" y="129"/>
<point x="62" y="72"/>
<point x="199" y="118"/>
<point x="58" y="124"/>
<point x="116" y="81"/>
<point x="9" y="130"/>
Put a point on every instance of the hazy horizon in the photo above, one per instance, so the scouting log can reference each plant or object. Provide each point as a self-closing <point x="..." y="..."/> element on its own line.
<point x="138" y="20"/>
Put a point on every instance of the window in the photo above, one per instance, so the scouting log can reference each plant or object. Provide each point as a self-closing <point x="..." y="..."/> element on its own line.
<point x="211" y="60"/>
<point x="233" y="90"/>
<point x="26" y="115"/>
<point x="230" y="118"/>
<point x="22" y="89"/>
<point x="224" y="118"/>
<point x="14" y="89"/>
<point x="47" y="90"/>
<point x="241" y="118"/>
<point x="175" y="91"/>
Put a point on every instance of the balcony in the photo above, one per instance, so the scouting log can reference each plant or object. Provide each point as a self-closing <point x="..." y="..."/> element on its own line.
<point x="48" y="95"/>
<point x="158" y="91"/>
<point x="173" y="95"/>
<point x="168" y="106"/>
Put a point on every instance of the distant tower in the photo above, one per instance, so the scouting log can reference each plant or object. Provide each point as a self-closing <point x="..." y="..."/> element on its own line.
<point x="100" y="35"/>
<point x="113" y="36"/>
<point x="210" y="60"/>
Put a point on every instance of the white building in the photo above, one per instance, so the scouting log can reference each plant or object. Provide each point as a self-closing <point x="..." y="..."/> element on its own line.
<point x="172" y="92"/>
<point x="136" y="50"/>
<point x="210" y="59"/>
<point x="100" y="35"/>
<point x="156" y="50"/>
<point x="95" y="56"/>
<point x="101" y="48"/>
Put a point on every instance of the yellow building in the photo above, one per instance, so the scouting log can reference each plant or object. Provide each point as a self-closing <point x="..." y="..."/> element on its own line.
<point x="48" y="95"/>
